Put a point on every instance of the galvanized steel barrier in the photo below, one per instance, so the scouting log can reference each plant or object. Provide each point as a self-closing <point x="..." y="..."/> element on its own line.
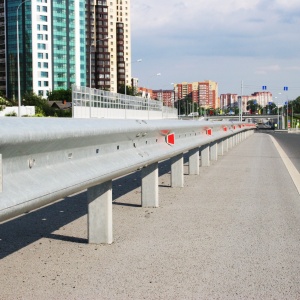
<point x="46" y="159"/>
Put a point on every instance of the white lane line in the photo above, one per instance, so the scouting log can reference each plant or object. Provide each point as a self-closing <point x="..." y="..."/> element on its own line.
<point x="289" y="165"/>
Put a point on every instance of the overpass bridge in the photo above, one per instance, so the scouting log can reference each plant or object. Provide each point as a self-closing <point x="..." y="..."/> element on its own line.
<point x="271" y="120"/>
<point x="230" y="233"/>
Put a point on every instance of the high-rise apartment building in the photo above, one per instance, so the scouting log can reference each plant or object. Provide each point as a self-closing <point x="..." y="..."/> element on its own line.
<point x="51" y="45"/>
<point x="228" y="100"/>
<point x="204" y="93"/>
<point x="61" y="42"/>
<point x="108" y="44"/>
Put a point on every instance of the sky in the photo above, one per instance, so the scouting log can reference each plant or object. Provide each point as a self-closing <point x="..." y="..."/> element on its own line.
<point x="241" y="44"/>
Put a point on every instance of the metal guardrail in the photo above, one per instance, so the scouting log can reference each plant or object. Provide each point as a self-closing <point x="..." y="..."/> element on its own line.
<point x="46" y="159"/>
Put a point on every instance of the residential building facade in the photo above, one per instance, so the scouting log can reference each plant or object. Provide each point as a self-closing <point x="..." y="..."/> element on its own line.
<point x="108" y="43"/>
<point x="51" y="45"/>
<point x="204" y="93"/>
<point x="167" y="96"/>
<point x="228" y="100"/>
<point x="231" y="100"/>
<point x="62" y="42"/>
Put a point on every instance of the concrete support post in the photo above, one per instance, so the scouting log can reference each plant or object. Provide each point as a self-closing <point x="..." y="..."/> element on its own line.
<point x="221" y="147"/>
<point x="150" y="186"/>
<point x="177" y="179"/>
<point x="244" y="135"/>
<point x="230" y="142"/>
<point x="205" y="162"/>
<point x="194" y="161"/>
<point x="234" y="140"/>
<point x="214" y="151"/>
<point x="100" y="213"/>
<point x="226" y="144"/>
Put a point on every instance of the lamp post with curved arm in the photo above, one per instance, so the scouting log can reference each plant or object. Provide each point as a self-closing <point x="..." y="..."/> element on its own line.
<point x="138" y="60"/>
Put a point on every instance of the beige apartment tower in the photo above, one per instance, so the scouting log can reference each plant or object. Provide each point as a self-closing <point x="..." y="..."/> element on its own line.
<point x="108" y="44"/>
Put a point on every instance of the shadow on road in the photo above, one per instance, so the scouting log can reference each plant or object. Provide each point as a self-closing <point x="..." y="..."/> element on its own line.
<point x="28" y="228"/>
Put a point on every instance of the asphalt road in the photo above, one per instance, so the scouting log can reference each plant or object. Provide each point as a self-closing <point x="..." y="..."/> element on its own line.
<point x="290" y="143"/>
<point x="233" y="232"/>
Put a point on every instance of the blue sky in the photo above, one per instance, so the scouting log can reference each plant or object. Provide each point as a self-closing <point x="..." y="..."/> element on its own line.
<point x="227" y="41"/>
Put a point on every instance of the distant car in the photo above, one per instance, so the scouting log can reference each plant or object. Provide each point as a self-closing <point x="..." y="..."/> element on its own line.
<point x="193" y="114"/>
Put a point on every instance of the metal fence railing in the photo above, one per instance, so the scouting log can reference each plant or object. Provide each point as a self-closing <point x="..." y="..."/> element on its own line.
<point x="89" y="97"/>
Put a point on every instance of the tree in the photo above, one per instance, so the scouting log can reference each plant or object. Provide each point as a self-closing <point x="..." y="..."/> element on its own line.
<point x="129" y="90"/>
<point x="295" y="104"/>
<point x="60" y="95"/>
<point x="253" y="107"/>
<point x="270" y="108"/>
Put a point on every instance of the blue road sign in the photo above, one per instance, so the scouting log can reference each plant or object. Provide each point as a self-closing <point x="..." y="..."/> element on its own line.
<point x="285" y="88"/>
<point x="264" y="87"/>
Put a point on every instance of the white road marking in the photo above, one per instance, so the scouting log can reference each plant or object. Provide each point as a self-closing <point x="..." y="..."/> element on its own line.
<point x="289" y="165"/>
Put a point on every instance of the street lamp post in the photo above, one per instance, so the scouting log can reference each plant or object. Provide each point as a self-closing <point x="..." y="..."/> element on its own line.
<point x="18" y="60"/>
<point x="138" y="60"/>
<point x="158" y="74"/>
<point x="278" y="112"/>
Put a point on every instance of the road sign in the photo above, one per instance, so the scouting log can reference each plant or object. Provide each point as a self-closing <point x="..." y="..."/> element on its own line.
<point x="285" y="88"/>
<point x="264" y="87"/>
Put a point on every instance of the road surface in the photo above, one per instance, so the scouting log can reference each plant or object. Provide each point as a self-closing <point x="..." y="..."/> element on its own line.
<point x="233" y="232"/>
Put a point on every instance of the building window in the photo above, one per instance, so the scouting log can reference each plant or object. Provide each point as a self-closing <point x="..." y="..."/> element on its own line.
<point x="41" y="46"/>
<point x="43" y="18"/>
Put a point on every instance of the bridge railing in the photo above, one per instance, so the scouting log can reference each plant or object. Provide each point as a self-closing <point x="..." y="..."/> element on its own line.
<point x="93" y="103"/>
<point x="46" y="159"/>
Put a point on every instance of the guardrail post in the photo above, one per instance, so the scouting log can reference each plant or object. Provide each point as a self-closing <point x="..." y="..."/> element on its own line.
<point x="205" y="156"/>
<point x="242" y="136"/>
<point x="233" y="140"/>
<point x="177" y="171"/>
<point x="1" y="174"/>
<point x="230" y="142"/>
<point x="226" y="144"/>
<point x="194" y="161"/>
<point x="214" y="151"/>
<point x="150" y="186"/>
<point x="221" y="147"/>
<point x="100" y="213"/>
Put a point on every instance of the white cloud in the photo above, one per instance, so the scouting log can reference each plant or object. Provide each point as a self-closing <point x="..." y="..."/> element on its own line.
<point x="268" y="69"/>
<point x="179" y="38"/>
